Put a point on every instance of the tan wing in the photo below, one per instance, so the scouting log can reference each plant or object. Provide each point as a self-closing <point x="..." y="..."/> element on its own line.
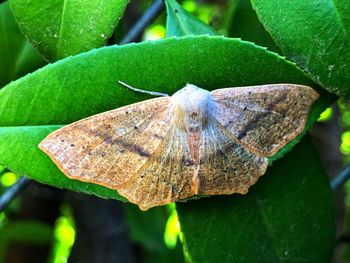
<point x="166" y="177"/>
<point x="264" y="118"/>
<point x="225" y="166"/>
<point x="109" y="148"/>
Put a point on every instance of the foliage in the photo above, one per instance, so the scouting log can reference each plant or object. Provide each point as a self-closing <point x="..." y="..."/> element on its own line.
<point x="18" y="57"/>
<point x="315" y="35"/>
<point x="287" y="215"/>
<point x="67" y="95"/>
<point x="271" y="215"/>
<point x="62" y="28"/>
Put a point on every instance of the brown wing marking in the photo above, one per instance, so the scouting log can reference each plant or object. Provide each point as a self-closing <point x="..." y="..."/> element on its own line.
<point x="264" y="118"/>
<point x="166" y="177"/>
<point x="110" y="147"/>
<point x="225" y="166"/>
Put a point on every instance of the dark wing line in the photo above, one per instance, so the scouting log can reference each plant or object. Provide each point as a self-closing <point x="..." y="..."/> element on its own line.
<point x="107" y="140"/>
<point x="135" y="146"/>
<point x="222" y="97"/>
<point x="250" y="124"/>
<point x="261" y="110"/>
<point x="144" y="166"/>
<point x="47" y="145"/>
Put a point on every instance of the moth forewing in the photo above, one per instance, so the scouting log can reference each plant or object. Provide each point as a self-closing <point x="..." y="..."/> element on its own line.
<point x="264" y="118"/>
<point x="110" y="147"/>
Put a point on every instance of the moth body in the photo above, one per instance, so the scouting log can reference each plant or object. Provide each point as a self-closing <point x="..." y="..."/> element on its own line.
<point x="195" y="142"/>
<point x="191" y="108"/>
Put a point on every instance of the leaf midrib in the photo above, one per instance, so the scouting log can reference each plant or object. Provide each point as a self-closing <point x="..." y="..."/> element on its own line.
<point x="340" y="20"/>
<point x="60" y="32"/>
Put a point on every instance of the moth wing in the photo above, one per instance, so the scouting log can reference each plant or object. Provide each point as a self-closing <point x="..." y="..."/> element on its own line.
<point x="109" y="148"/>
<point x="226" y="167"/>
<point x="167" y="176"/>
<point x="264" y="118"/>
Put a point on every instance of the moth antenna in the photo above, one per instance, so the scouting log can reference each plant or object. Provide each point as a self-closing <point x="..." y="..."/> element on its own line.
<point x="153" y="93"/>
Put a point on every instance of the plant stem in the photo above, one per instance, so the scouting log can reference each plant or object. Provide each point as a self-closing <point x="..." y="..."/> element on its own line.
<point x="338" y="181"/>
<point x="148" y="17"/>
<point x="13" y="192"/>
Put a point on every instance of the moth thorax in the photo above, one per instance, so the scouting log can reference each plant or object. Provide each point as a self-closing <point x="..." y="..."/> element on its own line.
<point x="191" y="106"/>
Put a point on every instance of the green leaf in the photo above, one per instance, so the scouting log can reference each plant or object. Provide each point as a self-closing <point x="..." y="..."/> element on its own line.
<point x="86" y="84"/>
<point x="343" y="10"/>
<point x="62" y="28"/>
<point x="17" y="56"/>
<point x="245" y="24"/>
<point x="315" y="35"/>
<point x="287" y="216"/>
<point x="180" y="22"/>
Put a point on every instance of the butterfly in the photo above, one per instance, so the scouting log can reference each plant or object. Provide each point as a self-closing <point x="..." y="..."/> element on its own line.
<point x="194" y="142"/>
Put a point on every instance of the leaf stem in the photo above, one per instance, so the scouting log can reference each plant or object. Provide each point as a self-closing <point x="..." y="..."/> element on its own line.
<point x="338" y="181"/>
<point x="148" y="17"/>
<point x="13" y="192"/>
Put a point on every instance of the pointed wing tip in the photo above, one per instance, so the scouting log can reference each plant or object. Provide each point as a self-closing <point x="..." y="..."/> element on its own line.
<point x="262" y="171"/>
<point x="313" y="92"/>
<point x="43" y="146"/>
<point x="141" y="205"/>
<point x="144" y="208"/>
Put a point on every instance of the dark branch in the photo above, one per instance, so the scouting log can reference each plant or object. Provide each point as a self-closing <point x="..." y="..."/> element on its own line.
<point x="12" y="192"/>
<point x="148" y="17"/>
<point x="338" y="181"/>
<point x="343" y="238"/>
<point x="101" y="231"/>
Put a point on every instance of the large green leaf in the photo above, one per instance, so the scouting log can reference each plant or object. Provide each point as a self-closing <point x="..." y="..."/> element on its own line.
<point x="180" y="22"/>
<point x="79" y="86"/>
<point x="286" y="217"/>
<point x="343" y="10"/>
<point x="60" y="28"/>
<point x="245" y="24"/>
<point x="314" y="34"/>
<point x="17" y="56"/>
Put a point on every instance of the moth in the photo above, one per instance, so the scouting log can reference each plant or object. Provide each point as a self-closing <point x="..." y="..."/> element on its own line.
<point x="194" y="142"/>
